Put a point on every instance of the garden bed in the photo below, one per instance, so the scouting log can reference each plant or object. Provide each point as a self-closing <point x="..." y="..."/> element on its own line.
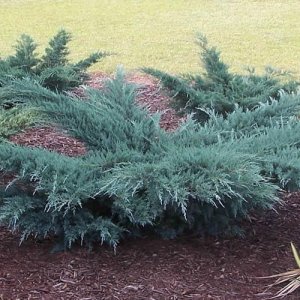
<point x="148" y="267"/>
<point x="151" y="268"/>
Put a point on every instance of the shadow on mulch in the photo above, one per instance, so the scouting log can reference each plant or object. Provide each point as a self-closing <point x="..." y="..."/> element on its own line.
<point x="150" y="268"/>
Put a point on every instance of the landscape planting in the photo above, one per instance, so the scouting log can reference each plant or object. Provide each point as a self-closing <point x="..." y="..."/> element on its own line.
<point x="205" y="177"/>
<point x="141" y="160"/>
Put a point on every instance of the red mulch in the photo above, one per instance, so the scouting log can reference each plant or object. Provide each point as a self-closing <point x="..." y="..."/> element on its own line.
<point x="150" y="268"/>
<point x="51" y="139"/>
<point x="149" y="95"/>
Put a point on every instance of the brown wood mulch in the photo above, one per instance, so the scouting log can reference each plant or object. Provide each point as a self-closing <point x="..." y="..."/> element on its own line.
<point x="150" y="268"/>
<point x="149" y="95"/>
<point x="51" y="139"/>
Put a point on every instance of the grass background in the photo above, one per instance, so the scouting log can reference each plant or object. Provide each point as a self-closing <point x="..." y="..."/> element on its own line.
<point x="161" y="33"/>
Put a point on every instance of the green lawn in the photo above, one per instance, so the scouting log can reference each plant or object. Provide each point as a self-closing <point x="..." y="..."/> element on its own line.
<point x="161" y="33"/>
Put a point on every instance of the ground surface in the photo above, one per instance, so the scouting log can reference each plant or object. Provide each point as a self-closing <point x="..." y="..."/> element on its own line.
<point x="159" y="33"/>
<point x="149" y="268"/>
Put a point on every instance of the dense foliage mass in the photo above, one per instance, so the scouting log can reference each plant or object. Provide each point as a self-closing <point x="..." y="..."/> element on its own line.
<point x="203" y="178"/>
<point x="15" y="119"/>
<point x="52" y="70"/>
<point x="220" y="90"/>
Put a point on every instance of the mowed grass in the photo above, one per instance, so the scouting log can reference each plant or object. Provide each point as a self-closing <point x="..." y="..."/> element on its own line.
<point x="161" y="33"/>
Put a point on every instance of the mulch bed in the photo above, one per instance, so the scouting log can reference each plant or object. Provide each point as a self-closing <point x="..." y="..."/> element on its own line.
<point x="51" y="139"/>
<point x="149" y="268"/>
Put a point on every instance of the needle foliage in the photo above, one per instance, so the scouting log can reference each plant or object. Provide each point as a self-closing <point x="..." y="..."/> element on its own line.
<point x="219" y="89"/>
<point x="53" y="69"/>
<point x="202" y="178"/>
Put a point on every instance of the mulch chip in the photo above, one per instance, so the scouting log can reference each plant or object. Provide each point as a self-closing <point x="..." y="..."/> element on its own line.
<point x="51" y="139"/>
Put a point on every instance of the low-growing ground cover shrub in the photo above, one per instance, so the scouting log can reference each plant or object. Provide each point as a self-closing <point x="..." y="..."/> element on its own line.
<point x="135" y="177"/>
<point x="219" y="89"/>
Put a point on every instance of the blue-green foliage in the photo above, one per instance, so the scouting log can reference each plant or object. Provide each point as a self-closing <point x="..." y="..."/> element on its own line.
<point x="220" y="90"/>
<point x="12" y="120"/>
<point x="135" y="176"/>
<point x="53" y="70"/>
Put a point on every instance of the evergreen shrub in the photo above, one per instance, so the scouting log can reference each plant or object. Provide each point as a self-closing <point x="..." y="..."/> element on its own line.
<point x="135" y="177"/>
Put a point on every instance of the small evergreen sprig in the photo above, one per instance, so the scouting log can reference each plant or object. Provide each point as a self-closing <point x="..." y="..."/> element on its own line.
<point x="25" y="57"/>
<point x="57" y="51"/>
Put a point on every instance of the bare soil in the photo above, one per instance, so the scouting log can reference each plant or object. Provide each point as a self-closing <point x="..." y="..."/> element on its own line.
<point x="150" y="268"/>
